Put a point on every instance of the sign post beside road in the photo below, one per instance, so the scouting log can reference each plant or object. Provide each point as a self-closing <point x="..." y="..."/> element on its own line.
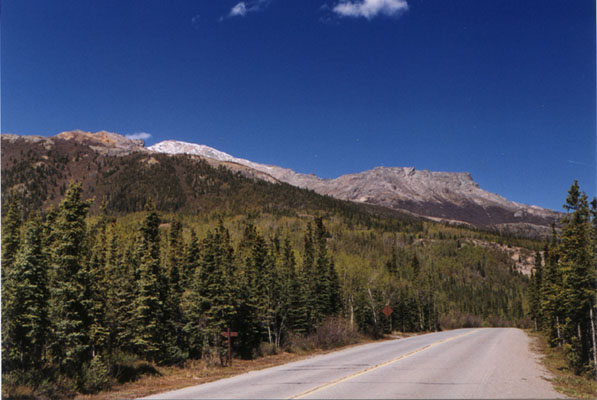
<point x="229" y="335"/>
<point x="387" y="310"/>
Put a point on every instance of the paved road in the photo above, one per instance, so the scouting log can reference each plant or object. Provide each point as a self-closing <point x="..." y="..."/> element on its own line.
<point x="464" y="363"/>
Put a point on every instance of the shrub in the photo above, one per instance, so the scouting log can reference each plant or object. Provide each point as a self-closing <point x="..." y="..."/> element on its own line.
<point x="332" y="332"/>
<point x="457" y="319"/>
<point x="127" y="368"/>
<point x="95" y="376"/>
<point x="267" y="349"/>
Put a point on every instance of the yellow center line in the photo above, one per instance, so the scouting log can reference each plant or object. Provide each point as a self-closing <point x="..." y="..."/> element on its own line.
<point x="366" y="370"/>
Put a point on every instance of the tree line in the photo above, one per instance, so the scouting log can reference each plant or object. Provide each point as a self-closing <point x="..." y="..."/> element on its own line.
<point x="82" y="292"/>
<point x="73" y="297"/>
<point x="563" y="283"/>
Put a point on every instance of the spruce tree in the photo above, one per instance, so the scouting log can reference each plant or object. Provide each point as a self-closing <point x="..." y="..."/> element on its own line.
<point x="212" y="307"/>
<point x="11" y="236"/>
<point x="11" y="239"/>
<point x="534" y="294"/>
<point x="97" y="290"/>
<point x="322" y="271"/>
<point x="151" y="333"/>
<point x="25" y="307"/>
<point x="69" y="309"/>
<point x="300" y="301"/>
<point x="191" y="261"/>
<point x="551" y="292"/>
<point x="578" y="269"/>
<point x="175" y="256"/>
<point x="120" y="301"/>
<point x="287" y="278"/>
<point x="308" y="272"/>
<point x="175" y="288"/>
<point x="260" y="273"/>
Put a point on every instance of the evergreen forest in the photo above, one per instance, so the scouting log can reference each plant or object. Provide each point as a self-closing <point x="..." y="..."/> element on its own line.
<point x="85" y="288"/>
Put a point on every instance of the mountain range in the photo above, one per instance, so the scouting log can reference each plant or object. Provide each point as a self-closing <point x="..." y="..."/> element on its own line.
<point x="451" y="197"/>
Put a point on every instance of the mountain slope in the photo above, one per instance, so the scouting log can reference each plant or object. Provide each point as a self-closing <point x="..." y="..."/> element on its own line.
<point x="122" y="176"/>
<point x="39" y="168"/>
<point x="445" y="196"/>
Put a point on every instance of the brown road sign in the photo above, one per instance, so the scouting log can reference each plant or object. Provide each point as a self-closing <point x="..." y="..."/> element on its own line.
<point x="387" y="310"/>
<point x="231" y="334"/>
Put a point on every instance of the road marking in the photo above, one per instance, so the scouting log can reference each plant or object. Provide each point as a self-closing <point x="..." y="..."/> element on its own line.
<point x="366" y="370"/>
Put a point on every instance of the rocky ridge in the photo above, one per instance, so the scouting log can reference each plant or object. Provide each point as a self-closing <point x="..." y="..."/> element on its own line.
<point x="452" y="197"/>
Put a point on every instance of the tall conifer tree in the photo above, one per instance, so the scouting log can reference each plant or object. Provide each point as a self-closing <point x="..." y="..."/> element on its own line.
<point x="150" y="337"/>
<point x="69" y="309"/>
<point x="578" y="269"/>
<point x="25" y="307"/>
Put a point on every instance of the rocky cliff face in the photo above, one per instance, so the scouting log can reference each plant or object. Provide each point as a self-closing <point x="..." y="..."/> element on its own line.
<point x="445" y="196"/>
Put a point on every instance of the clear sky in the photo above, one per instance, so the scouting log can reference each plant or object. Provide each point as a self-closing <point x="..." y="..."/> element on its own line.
<point x="502" y="89"/>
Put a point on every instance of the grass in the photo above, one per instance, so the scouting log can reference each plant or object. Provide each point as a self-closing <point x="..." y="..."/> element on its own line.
<point x="564" y="380"/>
<point x="196" y="372"/>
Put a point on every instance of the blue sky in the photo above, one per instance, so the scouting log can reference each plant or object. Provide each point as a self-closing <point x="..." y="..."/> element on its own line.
<point x="502" y="89"/>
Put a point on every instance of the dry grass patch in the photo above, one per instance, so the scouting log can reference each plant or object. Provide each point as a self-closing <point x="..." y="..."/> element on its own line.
<point x="196" y="372"/>
<point x="564" y="380"/>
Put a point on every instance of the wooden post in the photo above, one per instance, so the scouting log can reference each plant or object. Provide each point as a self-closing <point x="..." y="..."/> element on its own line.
<point x="593" y="334"/>
<point x="229" y="349"/>
<point x="387" y="310"/>
<point x="558" y="329"/>
<point x="229" y="335"/>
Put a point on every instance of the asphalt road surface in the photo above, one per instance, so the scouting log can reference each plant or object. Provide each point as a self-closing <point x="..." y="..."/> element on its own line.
<point x="464" y="363"/>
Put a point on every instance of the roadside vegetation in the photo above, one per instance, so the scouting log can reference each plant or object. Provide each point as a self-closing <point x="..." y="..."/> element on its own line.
<point x="565" y="380"/>
<point x="562" y="290"/>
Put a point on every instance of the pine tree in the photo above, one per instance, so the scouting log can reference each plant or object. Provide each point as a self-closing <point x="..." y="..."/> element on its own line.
<point x="150" y="337"/>
<point x="321" y="276"/>
<point x="260" y="270"/>
<point x="415" y="265"/>
<point x="175" y="256"/>
<point x="334" y="298"/>
<point x="97" y="290"/>
<point x="578" y="269"/>
<point x="300" y="301"/>
<point x="191" y="261"/>
<point x="25" y="307"/>
<point x="307" y="274"/>
<point x="214" y="295"/>
<point x="120" y="301"/>
<point x="69" y="309"/>
<point x="287" y="278"/>
<point x="11" y="239"/>
<point x="175" y="288"/>
<point x="534" y="291"/>
<point x="551" y="291"/>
